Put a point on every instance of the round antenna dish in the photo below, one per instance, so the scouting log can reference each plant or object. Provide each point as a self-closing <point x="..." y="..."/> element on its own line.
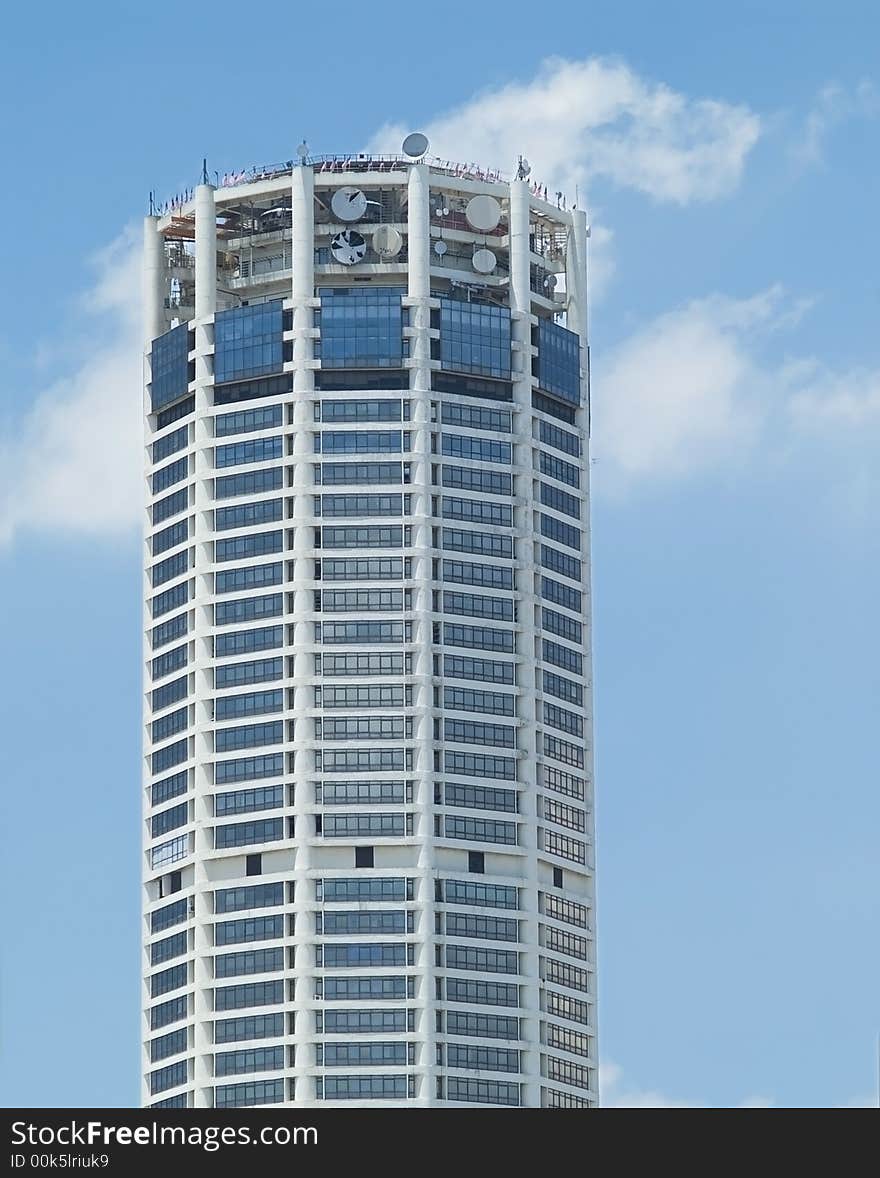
<point x="440" y="248"/>
<point x="303" y="150"/>
<point x="483" y="213"/>
<point x="550" y="282"/>
<point x="387" y="241"/>
<point x="348" y="204"/>
<point x="483" y="261"/>
<point x="415" y="145"/>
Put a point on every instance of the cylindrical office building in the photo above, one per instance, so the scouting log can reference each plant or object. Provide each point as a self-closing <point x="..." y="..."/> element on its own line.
<point x="368" y="793"/>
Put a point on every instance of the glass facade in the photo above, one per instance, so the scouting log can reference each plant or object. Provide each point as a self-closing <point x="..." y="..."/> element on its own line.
<point x="169" y="366"/>
<point x="248" y="342"/>
<point x="361" y="327"/>
<point x="559" y="361"/>
<point x="475" y="338"/>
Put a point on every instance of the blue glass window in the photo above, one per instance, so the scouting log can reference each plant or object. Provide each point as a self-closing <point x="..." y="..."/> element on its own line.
<point x="475" y="337"/>
<point x="249" y="482"/>
<point x="560" y="500"/>
<point x="561" y="594"/>
<point x="169" y="820"/>
<point x="168" y="788"/>
<point x="558" y="468"/>
<point x="245" y="898"/>
<point x="258" y="1059"/>
<point x="236" y="453"/>
<point x="248" y="768"/>
<point x="169" y="1077"/>
<point x="560" y="439"/>
<point x="249" y="736"/>
<point x="559" y="361"/>
<point x="168" y="1012"/>
<point x="175" y="628"/>
<point x="561" y="656"/>
<point x="247" y="1095"/>
<point x="256" y="576"/>
<point x="239" y="674"/>
<point x="248" y="928"/>
<point x="170" y="505"/>
<point x="247" y="609"/>
<point x="168" y="916"/>
<point x="361" y="327"/>
<point x="253" y="544"/>
<point x="561" y="562"/>
<point x="170" y="537"/>
<point x="248" y="342"/>
<point x="246" y="834"/>
<point x="252" y="1026"/>
<point x="170" y="444"/>
<point x="170" y="599"/>
<point x="171" y="755"/>
<point x="169" y="366"/>
<point x="246" y="801"/>
<point x="232" y="965"/>
<point x="476" y="449"/>
<point x="168" y="475"/>
<point x="172" y="660"/>
<point x="247" y="641"/>
<point x="255" y="703"/>
<point x="244" y="515"/>
<point x="167" y="570"/>
<point x="246" y="420"/>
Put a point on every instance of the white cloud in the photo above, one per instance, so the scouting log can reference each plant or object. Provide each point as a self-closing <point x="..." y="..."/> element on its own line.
<point x="75" y="462"/>
<point x="618" y="1092"/>
<point x="833" y="105"/>
<point x="581" y="120"/>
<point x="694" y="389"/>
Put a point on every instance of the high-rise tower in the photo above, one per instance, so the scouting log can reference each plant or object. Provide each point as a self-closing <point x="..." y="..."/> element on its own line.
<point x="368" y="860"/>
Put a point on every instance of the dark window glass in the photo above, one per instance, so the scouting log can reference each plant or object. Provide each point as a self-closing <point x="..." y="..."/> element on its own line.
<point x="248" y="341"/>
<point x="559" y="360"/>
<point x="361" y="327"/>
<point x="169" y="366"/>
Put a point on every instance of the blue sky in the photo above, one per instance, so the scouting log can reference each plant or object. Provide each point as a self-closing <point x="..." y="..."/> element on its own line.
<point x="730" y="161"/>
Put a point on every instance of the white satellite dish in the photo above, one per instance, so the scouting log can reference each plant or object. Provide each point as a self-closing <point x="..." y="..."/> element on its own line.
<point x="303" y="150"/>
<point x="348" y="204"/>
<point x="387" y="241"/>
<point x="483" y="213"/>
<point x="415" y="145"/>
<point x="483" y="261"/>
<point x="440" y="248"/>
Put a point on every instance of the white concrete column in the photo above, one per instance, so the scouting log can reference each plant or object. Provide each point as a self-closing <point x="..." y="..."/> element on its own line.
<point x="302" y="522"/>
<point x="206" y="251"/>
<point x="202" y="613"/>
<point x="528" y="671"/>
<point x="419" y="293"/>
<point x="153" y="281"/>
<point x="576" y="275"/>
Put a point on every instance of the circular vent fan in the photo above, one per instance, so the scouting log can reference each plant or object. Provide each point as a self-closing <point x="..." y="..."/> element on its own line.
<point x="348" y="247"/>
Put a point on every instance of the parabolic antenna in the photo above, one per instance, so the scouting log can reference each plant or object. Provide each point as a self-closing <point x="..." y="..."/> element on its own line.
<point x="440" y="248"/>
<point x="303" y="150"/>
<point x="415" y="145"/>
<point x="483" y="213"/>
<point x="483" y="261"/>
<point x="348" y="204"/>
<point x="387" y="241"/>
